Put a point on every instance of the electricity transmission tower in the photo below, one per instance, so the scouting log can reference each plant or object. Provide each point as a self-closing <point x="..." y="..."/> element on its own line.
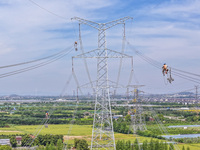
<point x="137" y="118"/>
<point x="102" y="133"/>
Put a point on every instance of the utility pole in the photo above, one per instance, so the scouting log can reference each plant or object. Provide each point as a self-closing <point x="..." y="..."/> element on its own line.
<point x="102" y="133"/>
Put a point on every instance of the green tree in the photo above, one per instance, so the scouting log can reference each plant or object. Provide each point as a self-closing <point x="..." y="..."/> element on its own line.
<point x="162" y="146"/>
<point x="128" y="118"/>
<point x="41" y="147"/>
<point x="136" y="144"/>
<point x="183" y="148"/>
<point x="171" y="146"/>
<point x="151" y="145"/>
<point x="69" y="146"/>
<point x="188" y="148"/>
<point x="145" y="145"/>
<point x="13" y="141"/>
<point x="52" y="146"/>
<point x="119" y="145"/>
<point x="76" y="141"/>
<point x="82" y="145"/>
<point x="157" y="145"/>
<point x="165" y="146"/>
<point x="59" y="144"/>
<point x="47" y="147"/>
<point x="26" y="139"/>
<point x="128" y="145"/>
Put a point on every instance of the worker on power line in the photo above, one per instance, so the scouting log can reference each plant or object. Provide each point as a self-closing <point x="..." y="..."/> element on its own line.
<point x="75" y="45"/>
<point x="165" y="69"/>
<point x="47" y="115"/>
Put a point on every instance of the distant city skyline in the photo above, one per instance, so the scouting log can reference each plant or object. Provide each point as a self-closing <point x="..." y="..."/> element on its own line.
<point x="167" y="31"/>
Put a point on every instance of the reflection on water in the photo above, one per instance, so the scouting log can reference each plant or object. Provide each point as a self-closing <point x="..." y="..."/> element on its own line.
<point x="182" y="136"/>
<point x="182" y="126"/>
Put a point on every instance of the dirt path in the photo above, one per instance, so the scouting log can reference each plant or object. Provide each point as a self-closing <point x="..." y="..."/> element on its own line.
<point x="8" y="131"/>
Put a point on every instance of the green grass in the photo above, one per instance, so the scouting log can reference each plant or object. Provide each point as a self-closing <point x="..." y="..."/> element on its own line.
<point x="77" y="131"/>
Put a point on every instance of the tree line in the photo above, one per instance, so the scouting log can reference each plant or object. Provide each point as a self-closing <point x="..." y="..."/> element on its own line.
<point x="146" y="145"/>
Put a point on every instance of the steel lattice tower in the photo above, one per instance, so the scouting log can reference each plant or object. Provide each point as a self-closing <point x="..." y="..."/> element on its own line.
<point x="102" y="133"/>
<point x="137" y="118"/>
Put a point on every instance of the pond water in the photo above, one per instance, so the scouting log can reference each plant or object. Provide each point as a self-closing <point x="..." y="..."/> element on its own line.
<point x="182" y="136"/>
<point x="182" y="126"/>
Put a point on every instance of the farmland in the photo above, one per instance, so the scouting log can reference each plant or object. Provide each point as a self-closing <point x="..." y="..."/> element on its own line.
<point x="66" y="119"/>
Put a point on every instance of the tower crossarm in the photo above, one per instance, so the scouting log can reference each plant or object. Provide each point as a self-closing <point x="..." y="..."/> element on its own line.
<point x="116" y="22"/>
<point x="87" y="22"/>
<point x="95" y="54"/>
<point x="101" y="26"/>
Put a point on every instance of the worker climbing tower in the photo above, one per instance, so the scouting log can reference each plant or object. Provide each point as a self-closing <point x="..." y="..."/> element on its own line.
<point x="102" y="133"/>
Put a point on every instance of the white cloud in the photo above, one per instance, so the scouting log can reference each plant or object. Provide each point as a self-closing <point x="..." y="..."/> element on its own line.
<point x="166" y="32"/>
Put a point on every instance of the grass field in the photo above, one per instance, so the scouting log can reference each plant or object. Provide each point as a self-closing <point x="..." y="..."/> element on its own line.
<point x="77" y="131"/>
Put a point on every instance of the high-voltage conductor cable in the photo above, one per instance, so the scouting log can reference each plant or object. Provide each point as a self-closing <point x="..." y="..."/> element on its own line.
<point x="186" y="77"/>
<point x="67" y="84"/>
<point x="121" y="59"/>
<point x="181" y="75"/>
<point x="84" y="59"/>
<point x="160" y="124"/>
<point x="29" y="68"/>
<point x="75" y="78"/>
<point x="35" y="66"/>
<point x="50" y="12"/>
<point x="72" y="122"/>
<point x="131" y="73"/>
<point x="33" y="61"/>
<point x="175" y="71"/>
<point x="45" y="121"/>
<point x="39" y="128"/>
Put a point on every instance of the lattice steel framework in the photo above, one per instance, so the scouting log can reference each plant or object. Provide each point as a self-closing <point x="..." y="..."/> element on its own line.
<point x="102" y="133"/>
<point x="138" y="122"/>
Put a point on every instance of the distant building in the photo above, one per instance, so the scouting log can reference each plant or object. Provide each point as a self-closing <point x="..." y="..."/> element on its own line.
<point x="184" y="108"/>
<point x="5" y="142"/>
<point x="117" y="116"/>
<point x="32" y="136"/>
<point x="151" y="119"/>
<point x="19" y="140"/>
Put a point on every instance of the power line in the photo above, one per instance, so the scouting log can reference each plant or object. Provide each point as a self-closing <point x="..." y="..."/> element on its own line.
<point x="50" y="12"/>
<point x="32" y="61"/>
<point x="35" y="66"/>
<point x="177" y="72"/>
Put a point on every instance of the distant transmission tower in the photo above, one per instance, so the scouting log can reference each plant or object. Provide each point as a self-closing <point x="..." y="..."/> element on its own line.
<point x="102" y="133"/>
<point x="138" y="121"/>
<point x="196" y="94"/>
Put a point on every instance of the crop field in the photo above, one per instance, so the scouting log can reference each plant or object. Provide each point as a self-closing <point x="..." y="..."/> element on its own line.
<point x="77" y="131"/>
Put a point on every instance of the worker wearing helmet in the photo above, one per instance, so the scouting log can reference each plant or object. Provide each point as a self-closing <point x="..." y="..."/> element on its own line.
<point x="47" y="115"/>
<point x="75" y="45"/>
<point x="165" y="70"/>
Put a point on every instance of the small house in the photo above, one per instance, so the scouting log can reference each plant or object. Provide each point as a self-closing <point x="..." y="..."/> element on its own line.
<point x="19" y="140"/>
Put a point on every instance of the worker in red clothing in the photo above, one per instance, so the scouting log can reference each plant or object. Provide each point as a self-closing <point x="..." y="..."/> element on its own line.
<point x="164" y="69"/>
<point x="47" y="115"/>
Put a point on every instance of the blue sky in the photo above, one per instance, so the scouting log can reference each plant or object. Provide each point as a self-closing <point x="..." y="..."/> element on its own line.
<point x="167" y="31"/>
